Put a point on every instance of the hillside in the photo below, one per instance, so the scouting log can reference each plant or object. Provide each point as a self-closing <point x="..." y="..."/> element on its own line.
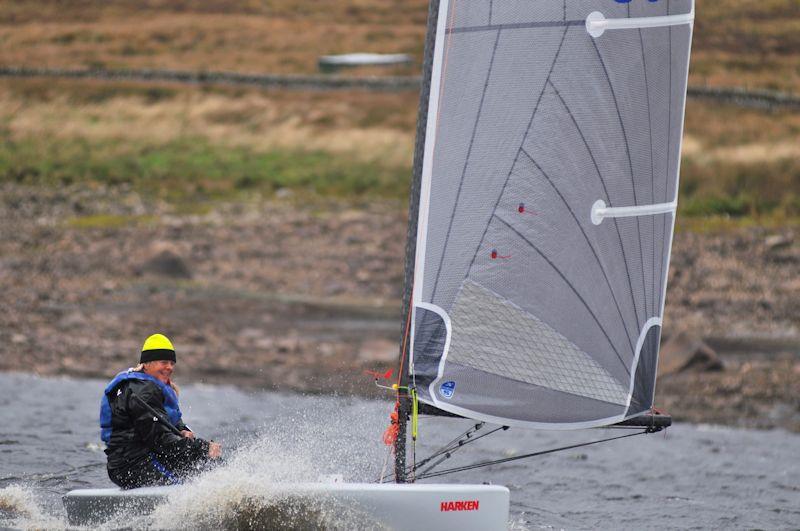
<point x="736" y="43"/>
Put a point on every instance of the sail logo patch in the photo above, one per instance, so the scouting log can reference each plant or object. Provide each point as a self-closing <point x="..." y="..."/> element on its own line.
<point x="463" y="505"/>
<point x="447" y="389"/>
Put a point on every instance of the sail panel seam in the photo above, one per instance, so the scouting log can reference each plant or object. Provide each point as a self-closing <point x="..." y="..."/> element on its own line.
<point x="605" y="190"/>
<point x="652" y="170"/>
<point x="574" y="290"/>
<point x="594" y="252"/>
<point x="630" y="163"/>
<point x="516" y="157"/>
<point x="464" y="169"/>
<point x="518" y="25"/>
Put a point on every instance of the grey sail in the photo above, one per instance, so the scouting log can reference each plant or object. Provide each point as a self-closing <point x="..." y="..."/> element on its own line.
<point x="547" y="206"/>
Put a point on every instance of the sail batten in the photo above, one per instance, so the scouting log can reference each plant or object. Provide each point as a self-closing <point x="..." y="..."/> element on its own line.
<point x="546" y="210"/>
<point x="597" y="23"/>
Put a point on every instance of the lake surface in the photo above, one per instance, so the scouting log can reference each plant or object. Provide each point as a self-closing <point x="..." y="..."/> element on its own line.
<point x="692" y="477"/>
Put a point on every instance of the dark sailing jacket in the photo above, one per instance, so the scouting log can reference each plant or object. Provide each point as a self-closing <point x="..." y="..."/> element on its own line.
<point x="134" y="431"/>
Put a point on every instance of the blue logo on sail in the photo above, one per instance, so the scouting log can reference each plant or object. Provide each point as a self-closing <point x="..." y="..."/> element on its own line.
<point x="447" y="389"/>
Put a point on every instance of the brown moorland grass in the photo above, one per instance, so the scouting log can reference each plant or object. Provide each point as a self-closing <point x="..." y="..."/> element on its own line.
<point x="276" y="37"/>
<point x="364" y="125"/>
<point x="736" y="42"/>
<point x="326" y="120"/>
<point x="747" y="43"/>
<point x="721" y="125"/>
<point x="359" y="11"/>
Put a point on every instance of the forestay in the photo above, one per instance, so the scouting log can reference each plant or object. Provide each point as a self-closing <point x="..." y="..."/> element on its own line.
<point x="547" y="207"/>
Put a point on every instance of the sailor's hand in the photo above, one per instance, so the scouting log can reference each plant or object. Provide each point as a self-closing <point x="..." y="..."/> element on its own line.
<point x="187" y="434"/>
<point x="214" y="450"/>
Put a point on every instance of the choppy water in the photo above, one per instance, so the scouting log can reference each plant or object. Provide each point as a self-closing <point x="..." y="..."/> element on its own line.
<point x="694" y="477"/>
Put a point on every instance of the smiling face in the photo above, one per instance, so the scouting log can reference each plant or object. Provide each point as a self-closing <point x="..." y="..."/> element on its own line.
<point x="161" y="369"/>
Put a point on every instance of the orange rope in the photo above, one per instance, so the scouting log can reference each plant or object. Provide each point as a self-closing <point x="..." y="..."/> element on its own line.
<point x="393" y="431"/>
<point x="405" y="338"/>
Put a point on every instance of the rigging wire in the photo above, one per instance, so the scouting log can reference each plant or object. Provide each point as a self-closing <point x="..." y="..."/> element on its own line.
<point x="468" y="433"/>
<point x="447" y="451"/>
<point x="515" y="458"/>
<point x="453" y="444"/>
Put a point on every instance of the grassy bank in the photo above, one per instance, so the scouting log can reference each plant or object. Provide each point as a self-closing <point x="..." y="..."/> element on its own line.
<point x="193" y="167"/>
<point x="184" y="143"/>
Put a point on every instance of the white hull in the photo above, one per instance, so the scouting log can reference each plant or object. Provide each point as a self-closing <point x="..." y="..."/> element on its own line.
<point x="404" y="506"/>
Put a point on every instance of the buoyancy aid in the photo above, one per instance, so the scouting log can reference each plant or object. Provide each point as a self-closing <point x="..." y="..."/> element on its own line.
<point x="170" y="400"/>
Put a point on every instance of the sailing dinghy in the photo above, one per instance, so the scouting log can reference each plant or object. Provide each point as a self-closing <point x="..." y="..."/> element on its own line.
<point x="540" y="227"/>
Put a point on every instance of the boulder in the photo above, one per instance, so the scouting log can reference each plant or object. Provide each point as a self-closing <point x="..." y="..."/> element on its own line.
<point x="688" y="353"/>
<point x="165" y="263"/>
<point x="778" y="241"/>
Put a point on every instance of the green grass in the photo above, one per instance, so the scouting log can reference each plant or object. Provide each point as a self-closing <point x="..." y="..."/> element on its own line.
<point x="191" y="169"/>
<point x="195" y="168"/>
<point x="737" y="189"/>
<point x="108" y="221"/>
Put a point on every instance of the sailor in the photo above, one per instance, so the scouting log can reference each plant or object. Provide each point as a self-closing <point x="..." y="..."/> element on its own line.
<point x="147" y="442"/>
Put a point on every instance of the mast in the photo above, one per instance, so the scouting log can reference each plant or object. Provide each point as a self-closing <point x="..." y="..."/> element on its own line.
<point x="411" y="241"/>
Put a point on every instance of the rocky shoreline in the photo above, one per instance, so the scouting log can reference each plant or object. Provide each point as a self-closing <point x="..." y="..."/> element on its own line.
<point x="304" y="296"/>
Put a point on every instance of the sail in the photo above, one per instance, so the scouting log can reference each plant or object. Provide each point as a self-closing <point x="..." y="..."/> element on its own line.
<point x="546" y="207"/>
